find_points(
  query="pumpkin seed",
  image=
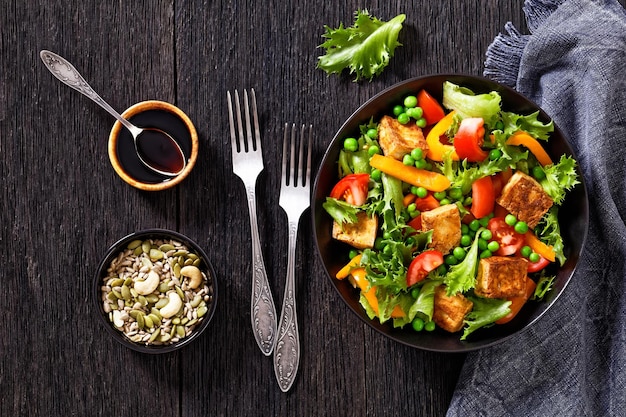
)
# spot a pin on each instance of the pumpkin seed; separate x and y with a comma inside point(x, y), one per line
point(156, 312)
point(138, 251)
point(180, 252)
point(177, 269)
point(166, 247)
point(165, 337)
point(163, 287)
point(180, 331)
point(148, 322)
point(141, 299)
point(128, 282)
point(146, 246)
point(197, 262)
point(192, 255)
point(116, 282)
point(112, 297)
point(152, 298)
point(126, 293)
point(134, 244)
point(156, 320)
point(180, 292)
point(117, 294)
point(156, 254)
point(196, 301)
point(155, 334)
point(162, 303)
point(202, 310)
point(188, 261)
point(135, 313)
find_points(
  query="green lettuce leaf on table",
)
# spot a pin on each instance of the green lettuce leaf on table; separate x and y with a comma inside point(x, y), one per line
point(364, 48)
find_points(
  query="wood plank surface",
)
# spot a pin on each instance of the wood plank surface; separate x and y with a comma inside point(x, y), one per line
point(62, 205)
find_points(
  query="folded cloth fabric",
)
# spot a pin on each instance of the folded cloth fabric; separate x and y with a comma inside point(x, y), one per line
point(572, 362)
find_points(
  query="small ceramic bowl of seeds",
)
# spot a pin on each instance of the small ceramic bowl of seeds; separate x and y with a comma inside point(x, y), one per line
point(155, 291)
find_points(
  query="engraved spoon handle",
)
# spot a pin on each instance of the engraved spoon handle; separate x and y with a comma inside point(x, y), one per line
point(287, 349)
point(68, 75)
point(262, 308)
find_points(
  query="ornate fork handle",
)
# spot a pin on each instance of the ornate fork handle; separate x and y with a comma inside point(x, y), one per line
point(287, 349)
point(262, 309)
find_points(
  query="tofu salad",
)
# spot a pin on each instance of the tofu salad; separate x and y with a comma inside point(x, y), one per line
point(451, 211)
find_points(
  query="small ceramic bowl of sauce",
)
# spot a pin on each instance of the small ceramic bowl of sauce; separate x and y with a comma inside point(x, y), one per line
point(154, 114)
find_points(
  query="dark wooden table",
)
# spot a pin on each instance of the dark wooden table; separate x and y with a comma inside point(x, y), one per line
point(62, 205)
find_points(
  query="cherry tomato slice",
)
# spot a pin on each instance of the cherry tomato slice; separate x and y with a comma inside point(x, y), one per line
point(426, 203)
point(537, 266)
point(509, 240)
point(433, 112)
point(352, 188)
point(483, 197)
point(422, 264)
point(469, 139)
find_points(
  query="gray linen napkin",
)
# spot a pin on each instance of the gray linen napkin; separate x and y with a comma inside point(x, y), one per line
point(573, 361)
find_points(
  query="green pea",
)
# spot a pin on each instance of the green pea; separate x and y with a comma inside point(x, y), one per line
point(397, 110)
point(411, 208)
point(444, 201)
point(373, 150)
point(484, 221)
point(459, 253)
point(421, 192)
point(417, 324)
point(410, 101)
point(421, 164)
point(407, 160)
point(521, 227)
point(468, 201)
point(486, 234)
point(526, 251)
point(464, 229)
point(351, 144)
point(534, 257)
point(466, 240)
point(499, 125)
point(430, 326)
point(372, 133)
point(510, 219)
point(493, 246)
point(485, 254)
point(421, 122)
point(379, 243)
point(442, 269)
point(414, 112)
point(409, 241)
point(495, 154)
point(474, 225)
point(415, 292)
point(451, 260)
point(352, 253)
point(403, 118)
point(538, 173)
point(482, 244)
point(455, 193)
point(417, 154)
point(376, 174)
point(440, 195)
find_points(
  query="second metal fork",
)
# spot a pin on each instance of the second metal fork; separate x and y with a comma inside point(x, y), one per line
point(294, 199)
point(247, 165)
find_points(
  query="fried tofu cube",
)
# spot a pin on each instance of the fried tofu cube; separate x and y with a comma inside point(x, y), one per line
point(397, 140)
point(445, 222)
point(361, 234)
point(524, 197)
point(449, 311)
point(501, 277)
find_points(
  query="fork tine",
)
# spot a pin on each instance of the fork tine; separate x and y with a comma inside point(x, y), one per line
point(231, 120)
point(246, 107)
point(242, 143)
point(307, 178)
point(257, 132)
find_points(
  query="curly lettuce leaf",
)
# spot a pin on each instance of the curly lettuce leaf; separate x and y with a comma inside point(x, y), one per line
point(485, 312)
point(549, 231)
point(340, 211)
point(467, 104)
point(462, 276)
point(530, 124)
point(560, 178)
point(364, 49)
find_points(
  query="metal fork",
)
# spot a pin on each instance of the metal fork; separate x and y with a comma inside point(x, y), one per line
point(294, 199)
point(247, 164)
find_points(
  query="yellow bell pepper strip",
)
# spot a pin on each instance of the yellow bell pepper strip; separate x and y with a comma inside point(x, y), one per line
point(370, 296)
point(432, 181)
point(358, 277)
point(345, 271)
point(436, 149)
point(524, 139)
point(539, 247)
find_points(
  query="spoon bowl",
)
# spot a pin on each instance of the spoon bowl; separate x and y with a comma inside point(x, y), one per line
point(156, 149)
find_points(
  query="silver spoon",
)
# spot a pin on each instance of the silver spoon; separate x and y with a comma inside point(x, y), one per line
point(166, 159)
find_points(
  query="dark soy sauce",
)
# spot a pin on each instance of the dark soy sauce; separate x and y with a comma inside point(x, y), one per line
point(159, 119)
point(158, 150)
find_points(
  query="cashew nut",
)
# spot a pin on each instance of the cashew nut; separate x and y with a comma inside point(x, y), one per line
point(148, 285)
point(194, 275)
point(173, 306)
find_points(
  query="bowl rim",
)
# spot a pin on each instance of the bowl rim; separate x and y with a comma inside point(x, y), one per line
point(112, 251)
point(139, 108)
point(458, 346)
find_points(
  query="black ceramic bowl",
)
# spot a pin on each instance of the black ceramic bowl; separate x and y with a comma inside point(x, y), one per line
point(573, 216)
point(209, 286)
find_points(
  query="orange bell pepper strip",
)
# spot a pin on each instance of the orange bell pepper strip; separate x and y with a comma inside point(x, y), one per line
point(370, 295)
point(436, 149)
point(408, 199)
point(359, 278)
point(346, 270)
point(524, 139)
point(539, 247)
point(430, 180)
point(518, 302)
